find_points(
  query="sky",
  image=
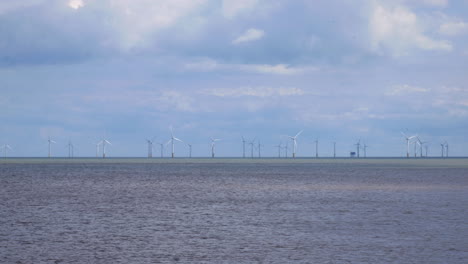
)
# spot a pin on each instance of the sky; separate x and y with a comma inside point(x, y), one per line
point(128, 70)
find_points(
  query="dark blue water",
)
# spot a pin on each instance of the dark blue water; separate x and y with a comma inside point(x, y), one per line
point(232, 213)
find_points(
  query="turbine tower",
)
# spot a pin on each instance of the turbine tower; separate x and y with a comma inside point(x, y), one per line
point(358, 146)
point(172, 141)
point(243, 147)
point(421, 143)
point(443, 146)
point(365, 146)
point(316, 148)
point(286, 149)
point(251, 143)
point(294, 139)
point(70, 149)
point(213, 143)
point(150, 147)
point(104, 142)
point(190, 150)
point(334, 149)
point(161, 144)
point(279, 149)
point(408, 139)
point(446, 149)
point(97, 149)
point(5, 148)
point(50, 142)
point(259, 149)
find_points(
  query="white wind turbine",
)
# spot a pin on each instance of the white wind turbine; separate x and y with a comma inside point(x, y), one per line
point(446, 149)
point(294, 139)
point(70, 149)
point(190, 149)
point(334, 149)
point(364, 147)
point(259, 146)
point(104, 142)
point(5, 148)
point(251, 143)
point(408, 139)
point(316, 148)
point(243, 147)
point(172, 141)
point(161, 144)
point(150, 147)
point(97, 149)
point(50, 141)
point(420, 143)
point(213, 143)
point(279, 149)
point(358, 146)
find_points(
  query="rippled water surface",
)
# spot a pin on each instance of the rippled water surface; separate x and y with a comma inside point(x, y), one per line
point(232, 213)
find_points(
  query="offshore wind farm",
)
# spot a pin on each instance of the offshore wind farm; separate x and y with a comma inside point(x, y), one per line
point(233, 131)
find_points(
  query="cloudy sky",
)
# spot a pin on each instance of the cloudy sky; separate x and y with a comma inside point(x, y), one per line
point(341, 70)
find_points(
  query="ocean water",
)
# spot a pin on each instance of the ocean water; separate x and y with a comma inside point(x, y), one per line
point(232, 213)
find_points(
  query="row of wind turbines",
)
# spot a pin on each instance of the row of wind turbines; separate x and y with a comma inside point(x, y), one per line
point(254, 145)
point(416, 140)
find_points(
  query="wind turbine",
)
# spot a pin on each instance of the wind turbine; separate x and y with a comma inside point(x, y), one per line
point(415, 149)
point(190, 149)
point(97, 149)
point(446, 149)
point(279, 149)
point(294, 139)
point(162, 148)
point(213, 140)
point(251, 143)
point(150, 147)
point(442, 145)
point(334, 149)
point(243, 147)
point(421, 143)
point(50, 142)
point(407, 143)
point(259, 149)
point(426, 147)
point(316, 148)
point(5, 148)
point(172, 141)
point(70, 149)
point(365, 150)
point(104, 142)
point(358, 145)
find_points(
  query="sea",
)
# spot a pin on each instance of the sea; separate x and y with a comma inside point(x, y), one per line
point(231, 211)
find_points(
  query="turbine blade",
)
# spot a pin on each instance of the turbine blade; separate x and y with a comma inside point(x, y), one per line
point(299, 133)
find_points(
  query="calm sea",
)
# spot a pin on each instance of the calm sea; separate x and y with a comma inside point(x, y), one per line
point(232, 213)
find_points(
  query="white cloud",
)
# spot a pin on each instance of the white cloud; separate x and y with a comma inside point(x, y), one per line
point(253, 91)
point(8, 6)
point(438, 3)
point(405, 89)
point(278, 69)
point(138, 20)
point(232, 8)
point(249, 35)
point(453, 28)
point(397, 30)
point(75, 4)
